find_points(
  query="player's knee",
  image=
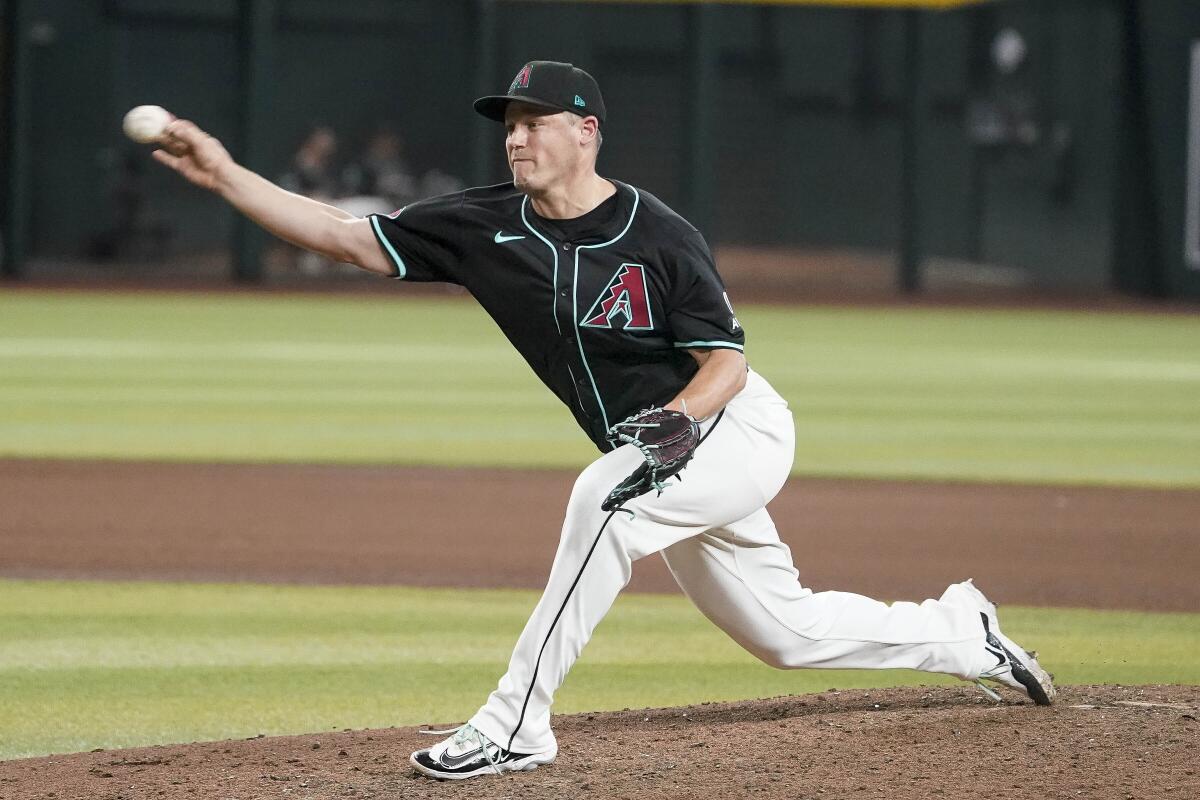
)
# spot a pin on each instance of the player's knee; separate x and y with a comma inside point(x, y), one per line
point(774, 657)
point(603, 474)
point(593, 485)
point(583, 509)
point(773, 654)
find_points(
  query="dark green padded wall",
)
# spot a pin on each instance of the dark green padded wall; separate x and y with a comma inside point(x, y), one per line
point(806, 121)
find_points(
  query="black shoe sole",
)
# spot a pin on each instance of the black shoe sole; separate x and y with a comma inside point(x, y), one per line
point(1027, 679)
point(522, 763)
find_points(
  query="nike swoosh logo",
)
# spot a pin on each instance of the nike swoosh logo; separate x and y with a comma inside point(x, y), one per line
point(450, 762)
point(501, 238)
point(999, 657)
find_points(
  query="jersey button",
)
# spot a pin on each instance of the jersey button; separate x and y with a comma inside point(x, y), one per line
point(563, 292)
point(566, 245)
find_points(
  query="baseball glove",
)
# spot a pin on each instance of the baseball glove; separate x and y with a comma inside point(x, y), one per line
point(667, 439)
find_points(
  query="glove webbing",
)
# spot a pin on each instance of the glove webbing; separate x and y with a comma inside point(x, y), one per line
point(647, 450)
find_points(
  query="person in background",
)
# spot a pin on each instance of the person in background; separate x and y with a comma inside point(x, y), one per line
point(311, 173)
point(382, 171)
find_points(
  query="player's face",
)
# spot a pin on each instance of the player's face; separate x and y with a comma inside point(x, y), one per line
point(543, 148)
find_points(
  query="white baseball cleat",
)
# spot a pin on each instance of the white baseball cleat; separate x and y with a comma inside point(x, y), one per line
point(468, 753)
point(1015, 667)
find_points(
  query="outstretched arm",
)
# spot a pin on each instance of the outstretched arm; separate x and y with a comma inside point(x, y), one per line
point(304, 222)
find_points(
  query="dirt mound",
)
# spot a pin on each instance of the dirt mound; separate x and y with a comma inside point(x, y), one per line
point(1098, 741)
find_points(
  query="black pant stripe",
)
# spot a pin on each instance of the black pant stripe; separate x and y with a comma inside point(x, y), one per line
point(546, 641)
point(712, 428)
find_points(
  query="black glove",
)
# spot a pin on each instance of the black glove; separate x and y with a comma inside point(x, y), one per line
point(667, 440)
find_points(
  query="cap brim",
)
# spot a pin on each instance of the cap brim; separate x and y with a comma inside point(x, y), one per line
point(494, 106)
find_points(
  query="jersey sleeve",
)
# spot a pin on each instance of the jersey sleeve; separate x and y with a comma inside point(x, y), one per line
point(699, 313)
point(422, 239)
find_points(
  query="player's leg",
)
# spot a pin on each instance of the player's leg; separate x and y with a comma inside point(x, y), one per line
point(597, 550)
point(742, 578)
point(593, 564)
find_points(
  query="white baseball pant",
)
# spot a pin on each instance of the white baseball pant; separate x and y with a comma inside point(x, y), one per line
point(720, 544)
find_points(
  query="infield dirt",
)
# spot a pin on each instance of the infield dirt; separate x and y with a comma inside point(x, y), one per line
point(1092, 547)
point(1028, 545)
point(903, 744)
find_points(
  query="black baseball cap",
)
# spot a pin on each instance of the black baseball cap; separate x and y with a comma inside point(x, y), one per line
point(552, 85)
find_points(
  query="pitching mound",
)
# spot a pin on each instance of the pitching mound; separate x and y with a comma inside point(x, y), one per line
point(1098, 741)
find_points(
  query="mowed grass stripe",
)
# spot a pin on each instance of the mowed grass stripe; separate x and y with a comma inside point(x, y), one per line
point(301, 351)
point(96, 664)
point(892, 393)
point(929, 364)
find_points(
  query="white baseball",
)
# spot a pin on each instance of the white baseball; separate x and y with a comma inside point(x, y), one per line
point(145, 124)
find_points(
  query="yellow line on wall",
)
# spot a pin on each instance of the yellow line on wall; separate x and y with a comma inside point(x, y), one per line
point(936, 5)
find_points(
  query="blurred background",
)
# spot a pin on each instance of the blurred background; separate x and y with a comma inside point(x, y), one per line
point(1014, 147)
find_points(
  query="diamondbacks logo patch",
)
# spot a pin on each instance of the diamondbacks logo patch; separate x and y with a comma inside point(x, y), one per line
point(522, 79)
point(624, 303)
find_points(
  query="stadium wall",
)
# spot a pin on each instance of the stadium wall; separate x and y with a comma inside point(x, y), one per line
point(806, 121)
point(1162, 202)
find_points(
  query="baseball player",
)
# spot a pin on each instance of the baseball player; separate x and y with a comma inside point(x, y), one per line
point(614, 301)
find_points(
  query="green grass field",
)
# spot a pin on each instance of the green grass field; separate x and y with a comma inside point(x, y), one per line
point(1062, 397)
point(904, 393)
point(86, 665)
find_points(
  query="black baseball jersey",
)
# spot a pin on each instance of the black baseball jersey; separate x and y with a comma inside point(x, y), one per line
point(603, 307)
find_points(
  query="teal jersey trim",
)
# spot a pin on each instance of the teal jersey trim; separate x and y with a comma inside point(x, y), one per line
point(553, 252)
point(390, 250)
point(575, 301)
point(554, 294)
point(729, 345)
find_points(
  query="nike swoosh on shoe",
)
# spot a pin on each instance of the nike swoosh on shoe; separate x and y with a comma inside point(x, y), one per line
point(451, 762)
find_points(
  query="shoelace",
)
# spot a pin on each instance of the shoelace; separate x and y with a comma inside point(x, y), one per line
point(990, 674)
point(989, 691)
point(463, 734)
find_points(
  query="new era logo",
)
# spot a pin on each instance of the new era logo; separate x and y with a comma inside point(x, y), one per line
point(579, 101)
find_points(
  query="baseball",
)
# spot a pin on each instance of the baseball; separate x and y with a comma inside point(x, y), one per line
point(145, 124)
